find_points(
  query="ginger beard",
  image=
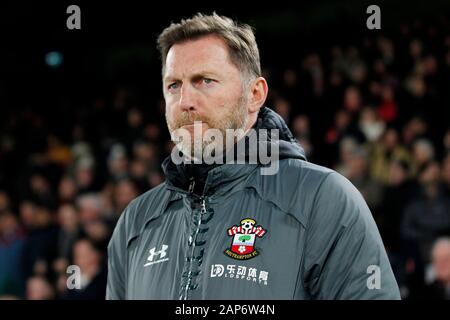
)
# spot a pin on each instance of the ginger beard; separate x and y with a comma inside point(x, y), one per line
point(234, 118)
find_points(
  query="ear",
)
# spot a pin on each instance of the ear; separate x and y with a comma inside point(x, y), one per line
point(258, 94)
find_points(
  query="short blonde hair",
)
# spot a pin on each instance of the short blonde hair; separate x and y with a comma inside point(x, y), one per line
point(239, 38)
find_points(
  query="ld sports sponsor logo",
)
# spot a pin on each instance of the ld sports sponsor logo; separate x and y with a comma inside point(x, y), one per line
point(236, 272)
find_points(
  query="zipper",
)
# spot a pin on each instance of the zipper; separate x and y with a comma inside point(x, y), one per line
point(199, 222)
point(191, 185)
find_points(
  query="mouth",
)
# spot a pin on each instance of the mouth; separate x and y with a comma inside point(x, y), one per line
point(191, 126)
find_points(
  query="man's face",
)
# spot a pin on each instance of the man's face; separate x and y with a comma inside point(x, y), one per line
point(441, 262)
point(201, 84)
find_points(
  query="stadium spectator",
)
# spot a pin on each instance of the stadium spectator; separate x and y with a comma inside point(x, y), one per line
point(12, 241)
point(38, 288)
point(440, 257)
point(428, 216)
point(89, 258)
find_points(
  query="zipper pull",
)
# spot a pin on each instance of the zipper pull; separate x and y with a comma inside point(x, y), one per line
point(203, 206)
point(191, 185)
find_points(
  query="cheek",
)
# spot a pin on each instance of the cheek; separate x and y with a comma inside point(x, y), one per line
point(225, 96)
point(170, 110)
point(226, 102)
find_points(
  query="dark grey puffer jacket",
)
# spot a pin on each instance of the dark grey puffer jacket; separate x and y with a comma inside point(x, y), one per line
point(303, 233)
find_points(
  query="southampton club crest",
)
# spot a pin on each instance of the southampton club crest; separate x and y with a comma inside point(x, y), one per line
point(244, 236)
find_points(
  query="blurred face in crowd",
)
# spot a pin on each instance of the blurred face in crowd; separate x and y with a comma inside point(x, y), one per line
point(342, 120)
point(347, 148)
point(387, 93)
point(370, 124)
point(68, 217)
point(90, 208)
point(86, 257)
point(43, 216)
point(8, 224)
point(138, 168)
point(423, 151)
point(290, 78)
point(446, 170)
point(145, 152)
point(39, 289)
point(415, 48)
point(202, 84)
point(96, 230)
point(397, 174)
point(352, 99)
point(4, 201)
point(441, 261)
point(283, 108)
point(28, 214)
point(368, 115)
point(301, 125)
point(39, 184)
point(134, 118)
point(446, 140)
point(430, 174)
point(357, 166)
point(125, 191)
point(66, 189)
point(152, 131)
point(390, 140)
point(84, 176)
point(155, 178)
point(118, 166)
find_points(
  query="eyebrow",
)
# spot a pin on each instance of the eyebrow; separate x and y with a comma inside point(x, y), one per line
point(196, 75)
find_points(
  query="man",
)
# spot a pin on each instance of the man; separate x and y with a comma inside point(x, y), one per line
point(87, 254)
point(232, 231)
point(440, 258)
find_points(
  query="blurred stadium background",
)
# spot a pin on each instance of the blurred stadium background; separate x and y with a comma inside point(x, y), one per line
point(82, 129)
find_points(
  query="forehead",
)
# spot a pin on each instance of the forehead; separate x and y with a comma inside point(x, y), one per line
point(209, 53)
point(442, 249)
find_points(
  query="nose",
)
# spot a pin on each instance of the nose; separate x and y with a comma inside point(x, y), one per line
point(187, 98)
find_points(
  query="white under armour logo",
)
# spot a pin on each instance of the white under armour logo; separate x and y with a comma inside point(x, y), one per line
point(153, 253)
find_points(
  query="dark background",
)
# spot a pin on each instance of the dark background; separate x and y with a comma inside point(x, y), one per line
point(111, 69)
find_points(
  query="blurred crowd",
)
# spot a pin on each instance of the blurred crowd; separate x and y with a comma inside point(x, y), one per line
point(377, 111)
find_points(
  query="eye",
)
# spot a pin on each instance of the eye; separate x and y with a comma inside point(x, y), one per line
point(207, 82)
point(173, 86)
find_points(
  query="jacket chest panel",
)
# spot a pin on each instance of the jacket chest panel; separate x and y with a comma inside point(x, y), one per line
point(236, 248)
